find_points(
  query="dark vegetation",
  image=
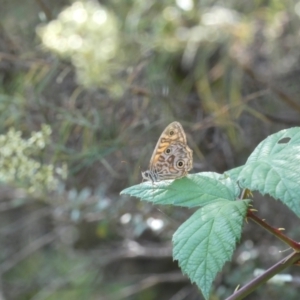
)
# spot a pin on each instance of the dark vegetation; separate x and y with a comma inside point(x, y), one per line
point(229, 74)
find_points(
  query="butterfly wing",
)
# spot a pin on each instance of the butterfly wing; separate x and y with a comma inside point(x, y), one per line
point(173, 163)
point(173, 133)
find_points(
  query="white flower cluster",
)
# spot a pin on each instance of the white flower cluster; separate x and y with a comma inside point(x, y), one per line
point(19, 165)
point(86, 33)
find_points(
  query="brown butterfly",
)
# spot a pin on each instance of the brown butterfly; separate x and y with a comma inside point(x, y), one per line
point(172, 158)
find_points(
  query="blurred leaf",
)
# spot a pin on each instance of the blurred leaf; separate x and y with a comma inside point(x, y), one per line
point(84, 194)
point(75, 215)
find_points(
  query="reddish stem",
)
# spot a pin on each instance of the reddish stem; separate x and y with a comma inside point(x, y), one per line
point(275, 231)
point(259, 280)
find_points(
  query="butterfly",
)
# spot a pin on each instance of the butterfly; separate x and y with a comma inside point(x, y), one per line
point(172, 158)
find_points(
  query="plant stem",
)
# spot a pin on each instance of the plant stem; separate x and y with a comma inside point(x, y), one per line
point(278, 233)
point(258, 281)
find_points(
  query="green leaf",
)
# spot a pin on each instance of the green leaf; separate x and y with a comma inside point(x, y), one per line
point(204, 242)
point(273, 168)
point(234, 173)
point(190, 191)
point(227, 181)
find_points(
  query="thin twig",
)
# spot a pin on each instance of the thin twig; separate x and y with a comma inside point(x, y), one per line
point(210, 120)
point(23, 222)
point(147, 283)
point(275, 231)
point(282, 95)
point(258, 281)
point(27, 251)
point(58, 283)
point(133, 250)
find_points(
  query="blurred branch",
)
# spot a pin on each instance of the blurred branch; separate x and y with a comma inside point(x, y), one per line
point(133, 249)
point(27, 63)
point(282, 95)
point(285, 121)
point(8, 205)
point(109, 168)
point(183, 293)
point(1, 289)
point(21, 223)
point(146, 283)
point(140, 91)
point(59, 283)
point(27, 251)
point(210, 121)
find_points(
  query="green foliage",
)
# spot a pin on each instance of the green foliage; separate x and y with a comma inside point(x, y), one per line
point(18, 166)
point(204, 242)
point(273, 168)
point(203, 189)
point(208, 238)
point(148, 62)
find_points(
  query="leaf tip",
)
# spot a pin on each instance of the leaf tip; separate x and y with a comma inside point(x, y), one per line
point(124, 192)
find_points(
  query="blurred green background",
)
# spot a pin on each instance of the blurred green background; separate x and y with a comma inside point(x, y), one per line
point(86, 88)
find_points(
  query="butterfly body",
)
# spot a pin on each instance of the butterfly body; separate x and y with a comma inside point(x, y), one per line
point(172, 158)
